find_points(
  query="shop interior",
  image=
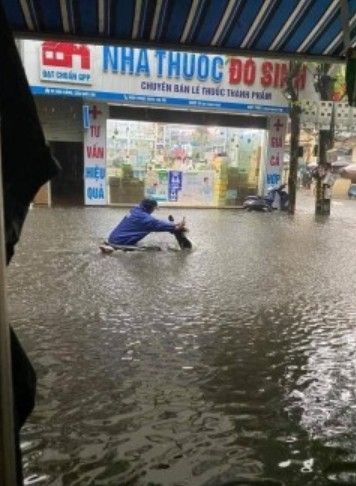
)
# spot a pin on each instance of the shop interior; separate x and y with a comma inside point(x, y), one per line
point(182, 164)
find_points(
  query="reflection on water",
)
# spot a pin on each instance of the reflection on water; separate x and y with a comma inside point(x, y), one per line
point(233, 364)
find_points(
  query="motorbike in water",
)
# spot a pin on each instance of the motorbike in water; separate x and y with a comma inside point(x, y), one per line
point(184, 243)
point(182, 240)
point(276, 198)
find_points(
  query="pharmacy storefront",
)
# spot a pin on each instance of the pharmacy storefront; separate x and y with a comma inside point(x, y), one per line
point(183, 128)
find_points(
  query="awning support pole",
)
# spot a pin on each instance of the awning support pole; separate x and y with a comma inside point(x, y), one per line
point(7, 440)
point(345, 23)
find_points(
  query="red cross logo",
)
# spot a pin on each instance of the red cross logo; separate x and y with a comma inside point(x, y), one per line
point(278, 125)
point(95, 112)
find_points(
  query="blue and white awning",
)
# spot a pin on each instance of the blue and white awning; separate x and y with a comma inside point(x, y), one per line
point(268, 27)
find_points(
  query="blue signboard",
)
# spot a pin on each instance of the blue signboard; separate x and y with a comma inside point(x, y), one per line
point(161, 100)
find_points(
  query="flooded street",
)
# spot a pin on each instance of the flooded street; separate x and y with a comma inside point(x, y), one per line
point(234, 364)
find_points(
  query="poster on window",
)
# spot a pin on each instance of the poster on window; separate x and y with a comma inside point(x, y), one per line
point(197, 188)
point(156, 184)
point(175, 181)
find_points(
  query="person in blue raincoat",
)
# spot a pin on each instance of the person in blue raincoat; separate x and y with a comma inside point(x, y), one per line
point(139, 223)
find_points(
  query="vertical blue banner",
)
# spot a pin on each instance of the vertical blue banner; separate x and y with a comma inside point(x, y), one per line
point(86, 117)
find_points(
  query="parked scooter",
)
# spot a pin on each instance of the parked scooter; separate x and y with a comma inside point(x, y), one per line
point(276, 198)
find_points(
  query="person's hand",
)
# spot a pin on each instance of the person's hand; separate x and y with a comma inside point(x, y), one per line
point(181, 226)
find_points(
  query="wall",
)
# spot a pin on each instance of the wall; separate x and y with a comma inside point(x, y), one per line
point(340, 188)
point(61, 121)
point(61, 118)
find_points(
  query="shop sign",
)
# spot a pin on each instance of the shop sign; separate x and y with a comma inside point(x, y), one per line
point(275, 150)
point(179, 79)
point(95, 156)
point(63, 62)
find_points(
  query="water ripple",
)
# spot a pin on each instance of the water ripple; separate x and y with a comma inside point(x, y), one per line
point(231, 365)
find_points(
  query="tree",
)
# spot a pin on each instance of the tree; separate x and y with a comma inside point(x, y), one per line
point(324, 86)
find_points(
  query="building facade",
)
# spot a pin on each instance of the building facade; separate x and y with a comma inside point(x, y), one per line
point(184, 128)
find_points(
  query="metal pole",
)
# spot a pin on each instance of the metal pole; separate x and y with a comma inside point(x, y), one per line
point(7, 440)
point(345, 22)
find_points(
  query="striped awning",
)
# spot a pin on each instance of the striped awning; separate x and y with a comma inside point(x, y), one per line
point(309, 28)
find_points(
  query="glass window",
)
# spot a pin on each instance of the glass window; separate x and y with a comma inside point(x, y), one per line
point(182, 164)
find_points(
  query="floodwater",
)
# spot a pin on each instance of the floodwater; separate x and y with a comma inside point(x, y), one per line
point(234, 364)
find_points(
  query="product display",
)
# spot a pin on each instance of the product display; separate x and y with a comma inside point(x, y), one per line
point(182, 164)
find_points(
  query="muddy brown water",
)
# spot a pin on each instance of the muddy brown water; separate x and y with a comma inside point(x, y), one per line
point(234, 364)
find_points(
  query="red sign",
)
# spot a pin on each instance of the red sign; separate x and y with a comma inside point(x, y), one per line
point(95, 112)
point(60, 54)
point(269, 74)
